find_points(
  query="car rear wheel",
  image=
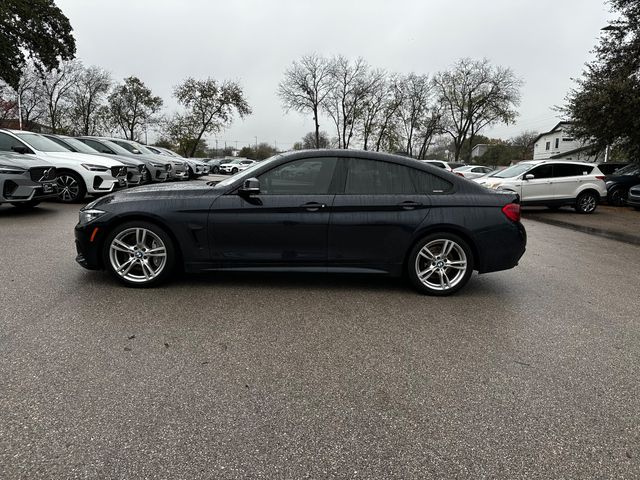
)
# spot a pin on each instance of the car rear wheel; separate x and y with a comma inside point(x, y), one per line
point(71, 187)
point(586, 202)
point(440, 264)
point(139, 254)
point(617, 197)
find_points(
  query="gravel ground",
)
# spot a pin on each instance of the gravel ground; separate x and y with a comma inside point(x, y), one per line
point(530, 373)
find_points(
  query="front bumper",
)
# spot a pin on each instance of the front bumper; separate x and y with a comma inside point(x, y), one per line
point(134, 175)
point(88, 245)
point(633, 199)
point(25, 190)
point(106, 184)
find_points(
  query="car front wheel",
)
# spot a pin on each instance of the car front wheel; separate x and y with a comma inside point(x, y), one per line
point(586, 202)
point(139, 254)
point(71, 187)
point(440, 264)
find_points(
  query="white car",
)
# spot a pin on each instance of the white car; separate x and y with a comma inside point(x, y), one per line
point(473, 171)
point(235, 166)
point(78, 174)
point(448, 166)
point(551, 183)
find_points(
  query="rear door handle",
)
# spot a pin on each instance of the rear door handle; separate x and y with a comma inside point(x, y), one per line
point(409, 205)
point(313, 206)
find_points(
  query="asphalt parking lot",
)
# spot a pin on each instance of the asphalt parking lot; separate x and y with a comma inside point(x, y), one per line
point(529, 373)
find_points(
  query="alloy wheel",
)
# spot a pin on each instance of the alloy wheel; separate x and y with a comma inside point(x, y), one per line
point(138, 255)
point(441, 264)
point(68, 188)
point(587, 203)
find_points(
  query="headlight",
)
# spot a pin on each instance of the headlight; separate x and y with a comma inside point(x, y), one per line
point(11, 169)
point(156, 164)
point(95, 168)
point(89, 215)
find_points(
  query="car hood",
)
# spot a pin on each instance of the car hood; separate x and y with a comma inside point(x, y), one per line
point(622, 179)
point(80, 158)
point(154, 193)
point(121, 158)
point(24, 161)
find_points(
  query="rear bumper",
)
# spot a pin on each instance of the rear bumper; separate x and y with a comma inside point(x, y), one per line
point(501, 248)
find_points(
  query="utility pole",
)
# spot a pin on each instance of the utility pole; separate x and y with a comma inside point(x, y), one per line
point(256, 143)
point(20, 110)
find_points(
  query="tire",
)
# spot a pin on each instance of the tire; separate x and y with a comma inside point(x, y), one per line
point(190, 174)
point(617, 197)
point(71, 187)
point(428, 255)
point(234, 170)
point(586, 203)
point(26, 205)
point(125, 254)
point(215, 169)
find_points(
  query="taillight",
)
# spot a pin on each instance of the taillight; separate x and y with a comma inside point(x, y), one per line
point(512, 211)
point(600, 177)
point(458, 173)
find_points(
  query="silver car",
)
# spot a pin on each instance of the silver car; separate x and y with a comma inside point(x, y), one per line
point(26, 180)
point(157, 169)
point(179, 170)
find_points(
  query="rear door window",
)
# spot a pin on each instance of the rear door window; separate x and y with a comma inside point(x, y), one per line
point(375, 177)
point(429, 184)
point(570, 170)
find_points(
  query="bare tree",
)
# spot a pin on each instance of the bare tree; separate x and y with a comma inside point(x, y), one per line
point(56, 86)
point(373, 105)
point(87, 96)
point(524, 142)
point(30, 95)
point(352, 83)
point(305, 87)
point(414, 112)
point(474, 94)
point(387, 125)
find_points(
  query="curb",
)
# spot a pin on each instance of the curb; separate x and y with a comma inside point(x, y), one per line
point(599, 232)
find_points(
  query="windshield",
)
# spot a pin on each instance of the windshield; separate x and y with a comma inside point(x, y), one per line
point(79, 146)
point(513, 171)
point(116, 148)
point(247, 172)
point(40, 143)
point(631, 169)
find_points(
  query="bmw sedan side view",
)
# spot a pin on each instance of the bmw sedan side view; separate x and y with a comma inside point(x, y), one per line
point(309, 211)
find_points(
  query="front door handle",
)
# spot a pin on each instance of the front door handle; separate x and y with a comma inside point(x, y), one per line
point(313, 206)
point(409, 205)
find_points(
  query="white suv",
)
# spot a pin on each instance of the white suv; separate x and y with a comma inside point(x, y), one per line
point(551, 183)
point(79, 174)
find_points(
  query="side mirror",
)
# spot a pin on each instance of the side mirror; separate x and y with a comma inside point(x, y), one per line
point(251, 186)
point(529, 176)
point(136, 151)
point(20, 149)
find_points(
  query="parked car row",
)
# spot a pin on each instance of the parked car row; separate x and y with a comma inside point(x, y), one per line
point(82, 166)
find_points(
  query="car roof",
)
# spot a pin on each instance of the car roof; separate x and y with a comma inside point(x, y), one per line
point(550, 160)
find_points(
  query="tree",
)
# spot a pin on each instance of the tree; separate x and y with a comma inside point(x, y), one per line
point(87, 96)
point(605, 103)
point(352, 82)
point(210, 105)
point(182, 131)
point(309, 141)
point(34, 29)
point(263, 151)
point(305, 87)
point(474, 95)
point(524, 142)
point(56, 86)
point(29, 93)
point(132, 106)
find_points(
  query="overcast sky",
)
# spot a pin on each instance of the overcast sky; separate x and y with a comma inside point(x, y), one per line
point(546, 42)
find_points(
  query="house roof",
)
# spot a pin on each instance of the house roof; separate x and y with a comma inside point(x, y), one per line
point(558, 125)
point(571, 152)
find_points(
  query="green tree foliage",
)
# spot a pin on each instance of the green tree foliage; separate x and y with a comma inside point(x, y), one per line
point(35, 29)
point(308, 142)
point(263, 151)
point(210, 106)
point(132, 107)
point(604, 105)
